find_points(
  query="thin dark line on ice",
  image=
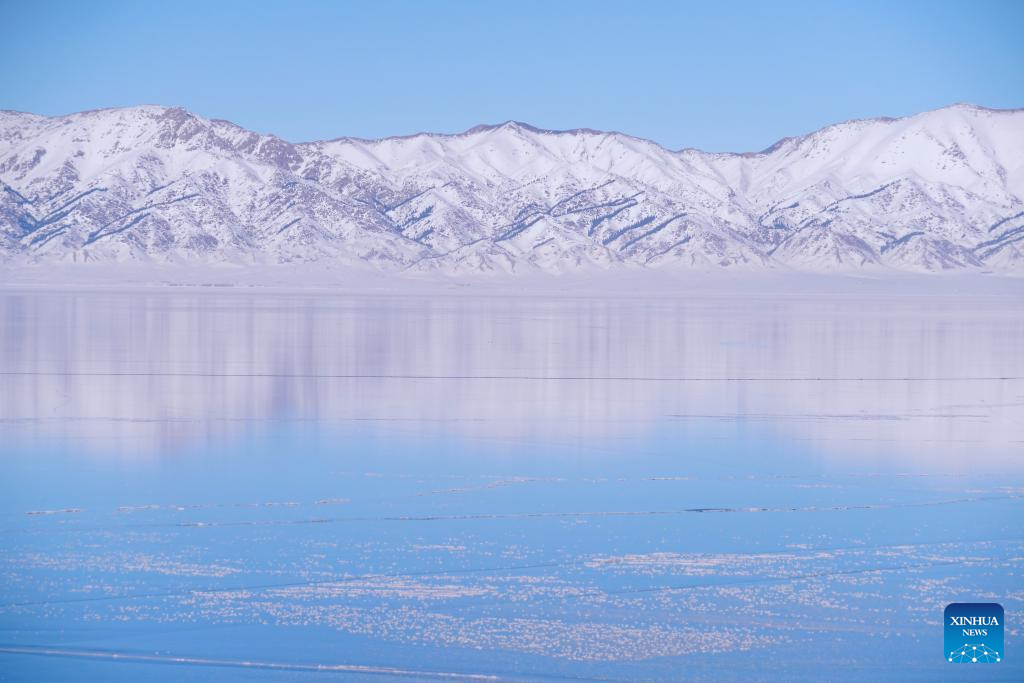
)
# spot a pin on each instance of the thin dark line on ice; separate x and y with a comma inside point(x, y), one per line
point(568, 378)
point(597, 513)
point(486, 516)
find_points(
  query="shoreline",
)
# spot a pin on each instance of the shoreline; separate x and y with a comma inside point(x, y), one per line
point(622, 283)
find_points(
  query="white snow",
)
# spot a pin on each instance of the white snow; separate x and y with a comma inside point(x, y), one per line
point(943, 190)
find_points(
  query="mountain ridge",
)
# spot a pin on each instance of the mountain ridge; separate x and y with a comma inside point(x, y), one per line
point(939, 190)
point(482, 127)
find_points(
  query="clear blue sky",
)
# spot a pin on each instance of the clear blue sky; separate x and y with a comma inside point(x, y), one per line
point(722, 76)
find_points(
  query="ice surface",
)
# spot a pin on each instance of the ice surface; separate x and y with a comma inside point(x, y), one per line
point(236, 484)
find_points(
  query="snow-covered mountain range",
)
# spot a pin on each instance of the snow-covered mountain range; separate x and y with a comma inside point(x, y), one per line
point(936, 191)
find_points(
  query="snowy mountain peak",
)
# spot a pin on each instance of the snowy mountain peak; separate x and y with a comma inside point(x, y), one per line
point(935, 191)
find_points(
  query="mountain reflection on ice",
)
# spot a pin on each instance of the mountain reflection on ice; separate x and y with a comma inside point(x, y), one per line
point(145, 373)
point(281, 486)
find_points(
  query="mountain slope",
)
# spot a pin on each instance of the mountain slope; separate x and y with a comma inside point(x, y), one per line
point(940, 190)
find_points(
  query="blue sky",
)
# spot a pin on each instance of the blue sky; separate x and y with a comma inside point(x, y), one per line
point(722, 76)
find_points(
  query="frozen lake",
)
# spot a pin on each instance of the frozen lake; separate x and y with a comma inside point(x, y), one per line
point(200, 485)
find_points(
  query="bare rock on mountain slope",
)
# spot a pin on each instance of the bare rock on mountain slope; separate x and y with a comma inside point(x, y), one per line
point(943, 190)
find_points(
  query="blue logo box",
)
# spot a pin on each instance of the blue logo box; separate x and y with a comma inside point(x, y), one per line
point(973, 632)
